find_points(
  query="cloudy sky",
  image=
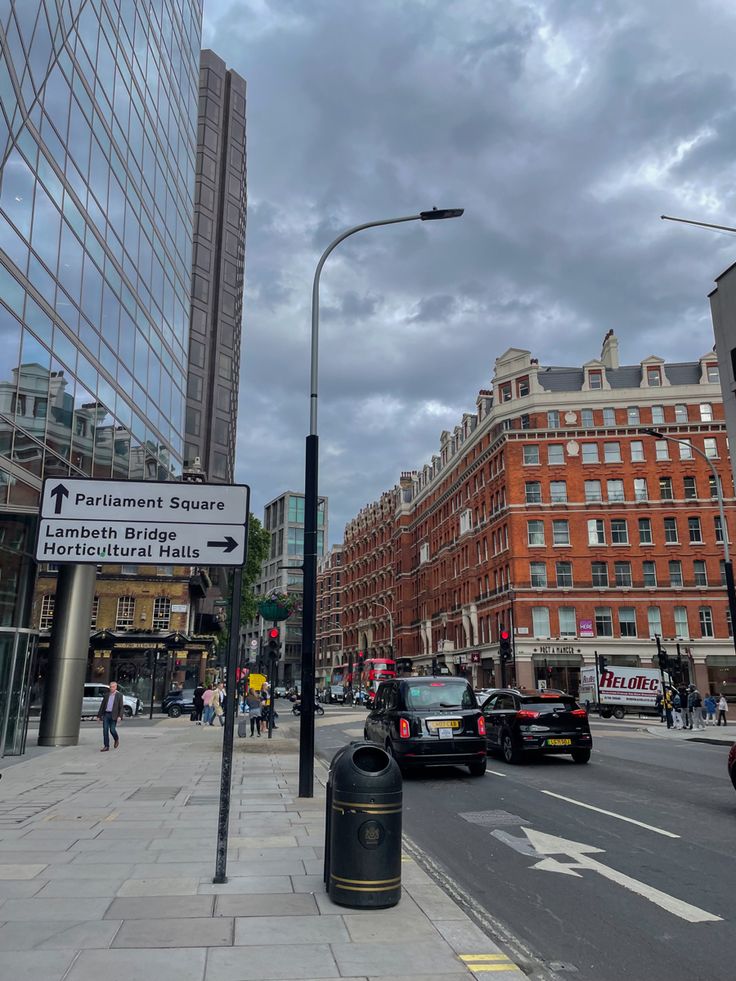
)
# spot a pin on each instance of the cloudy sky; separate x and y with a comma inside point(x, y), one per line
point(563, 127)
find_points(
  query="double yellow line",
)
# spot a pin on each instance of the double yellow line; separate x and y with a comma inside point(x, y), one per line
point(483, 963)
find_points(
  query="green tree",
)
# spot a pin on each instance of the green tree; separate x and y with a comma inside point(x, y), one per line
point(259, 543)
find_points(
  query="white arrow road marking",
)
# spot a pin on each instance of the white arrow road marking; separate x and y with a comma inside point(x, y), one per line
point(620, 817)
point(545, 844)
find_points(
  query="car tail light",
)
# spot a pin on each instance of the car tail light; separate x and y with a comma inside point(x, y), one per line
point(404, 731)
point(481, 726)
point(581, 713)
point(526, 716)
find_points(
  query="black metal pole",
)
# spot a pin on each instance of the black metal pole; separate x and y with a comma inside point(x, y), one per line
point(309, 619)
point(273, 670)
point(154, 665)
point(731, 591)
point(223, 819)
point(597, 684)
point(660, 661)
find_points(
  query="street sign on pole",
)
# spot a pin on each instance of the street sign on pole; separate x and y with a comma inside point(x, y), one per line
point(142, 522)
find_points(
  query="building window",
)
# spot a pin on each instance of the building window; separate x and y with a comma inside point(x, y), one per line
point(665, 489)
point(599, 574)
point(670, 531)
point(125, 616)
point(637, 451)
point(129, 570)
point(603, 621)
point(568, 624)
point(466, 521)
point(533, 492)
point(680, 413)
point(555, 454)
point(722, 572)
point(627, 621)
point(641, 491)
point(47, 612)
point(706, 621)
point(296, 510)
point(711, 448)
point(596, 532)
point(645, 531)
point(706, 412)
point(654, 377)
point(612, 452)
point(615, 490)
point(622, 572)
point(558, 492)
point(522, 386)
point(560, 532)
point(661, 449)
point(295, 541)
point(423, 553)
point(712, 486)
point(650, 573)
point(590, 453)
point(593, 491)
point(564, 574)
point(681, 625)
point(712, 374)
point(691, 489)
point(540, 621)
point(619, 531)
point(695, 532)
point(609, 417)
point(531, 454)
point(553, 419)
point(686, 450)
point(535, 532)
point(595, 379)
point(538, 575)
point(718, 529)
point(161, 613)
point(675, 567)
point(657, 415)
point(654, 621)
point(632, 415)
point(700, 572)
point(506, 392)
point(586, 418)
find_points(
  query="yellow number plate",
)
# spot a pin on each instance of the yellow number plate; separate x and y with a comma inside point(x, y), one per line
point(559, 742)
point(445, 724)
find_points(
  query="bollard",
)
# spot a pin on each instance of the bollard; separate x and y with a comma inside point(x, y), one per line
point(363, 828)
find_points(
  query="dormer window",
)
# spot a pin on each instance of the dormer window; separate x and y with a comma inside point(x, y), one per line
point(712, 374)
point(595, 379)
point(522, 386)
point(654, 377)
point(506, 392)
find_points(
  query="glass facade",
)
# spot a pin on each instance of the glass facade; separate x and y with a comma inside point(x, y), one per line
point(98, 142)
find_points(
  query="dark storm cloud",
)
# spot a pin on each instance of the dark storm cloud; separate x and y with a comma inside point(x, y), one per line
point(565, 128)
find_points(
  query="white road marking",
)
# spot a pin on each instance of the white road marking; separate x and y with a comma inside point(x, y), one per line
point(496, 773)
point(620, 817)
point(545, 844)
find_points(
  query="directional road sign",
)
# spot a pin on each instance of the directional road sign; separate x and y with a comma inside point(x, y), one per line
point(142, 522)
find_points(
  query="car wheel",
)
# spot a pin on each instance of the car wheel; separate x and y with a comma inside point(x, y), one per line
point(174, 711)
point(606, 713)
point(510, 752)
point(478, 768)
point(580, 755)
point(127, 711)
point(619, 713)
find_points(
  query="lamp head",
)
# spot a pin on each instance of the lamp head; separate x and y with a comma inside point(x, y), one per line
point(437, 213)
point(652, 432)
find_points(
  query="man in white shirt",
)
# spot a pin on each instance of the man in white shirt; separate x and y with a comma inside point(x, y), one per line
point(109, 714)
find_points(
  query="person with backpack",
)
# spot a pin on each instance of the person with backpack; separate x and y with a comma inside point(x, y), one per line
point(677, 710)
point(709, 705)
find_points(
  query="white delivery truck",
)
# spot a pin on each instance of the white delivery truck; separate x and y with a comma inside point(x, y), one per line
point(618, 690)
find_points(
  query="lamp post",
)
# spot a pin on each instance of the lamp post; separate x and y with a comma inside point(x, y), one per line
point(309, 616)
point(728, 568)
point(390, 624)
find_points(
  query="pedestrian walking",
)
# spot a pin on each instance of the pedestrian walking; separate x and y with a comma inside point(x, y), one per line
point(218, 702)
point(208, 712)
point(109, 714)
point(709, 704)
point(686, 717)
point(198, 701)
point(253, 702)
point(695, 708)
point(667, 702)
point(658, 704)
point(722, 710)
point(677, 710)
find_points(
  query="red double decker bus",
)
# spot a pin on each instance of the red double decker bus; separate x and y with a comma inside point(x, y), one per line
point(377, 669)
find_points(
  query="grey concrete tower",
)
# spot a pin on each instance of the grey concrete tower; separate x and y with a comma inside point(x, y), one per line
point(218, 262)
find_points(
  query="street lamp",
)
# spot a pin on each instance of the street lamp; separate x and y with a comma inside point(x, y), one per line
point(390, 624)
point(309, 615)
point(728, 568)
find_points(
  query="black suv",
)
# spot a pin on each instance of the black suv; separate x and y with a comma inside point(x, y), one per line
point(520, 722)
point(177, 702)
point(423, 721)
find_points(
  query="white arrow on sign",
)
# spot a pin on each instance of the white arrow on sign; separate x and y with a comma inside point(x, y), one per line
point(545, 844)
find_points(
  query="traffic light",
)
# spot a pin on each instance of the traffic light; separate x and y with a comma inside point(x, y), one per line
point(602, 663)
point(504, 645)
point(273, 648)
point(662, 659)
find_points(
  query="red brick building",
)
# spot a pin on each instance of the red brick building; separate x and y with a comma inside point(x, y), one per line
point(329, 650)
point(550, 512)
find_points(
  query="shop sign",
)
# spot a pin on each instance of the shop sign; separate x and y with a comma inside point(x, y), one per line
point(556, 649)
point(585, 628)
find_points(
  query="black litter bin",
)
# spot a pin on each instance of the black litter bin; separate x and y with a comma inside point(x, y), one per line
point(363, 828)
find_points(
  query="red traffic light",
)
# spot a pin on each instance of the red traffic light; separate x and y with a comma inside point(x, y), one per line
point(273, 633)
point(505, 635)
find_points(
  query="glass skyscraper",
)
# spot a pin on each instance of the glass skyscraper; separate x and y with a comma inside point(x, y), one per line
point(98, 142)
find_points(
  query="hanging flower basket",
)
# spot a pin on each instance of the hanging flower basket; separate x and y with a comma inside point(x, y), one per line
point(279, 606)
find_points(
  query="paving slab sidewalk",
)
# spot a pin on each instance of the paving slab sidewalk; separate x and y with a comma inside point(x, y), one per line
point(106, 866)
